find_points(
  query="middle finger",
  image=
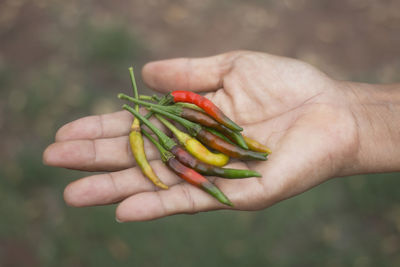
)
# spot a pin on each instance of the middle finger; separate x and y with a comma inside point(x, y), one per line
point(109, 154)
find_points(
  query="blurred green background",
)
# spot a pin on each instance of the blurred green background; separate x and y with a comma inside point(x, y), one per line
point(61, 60)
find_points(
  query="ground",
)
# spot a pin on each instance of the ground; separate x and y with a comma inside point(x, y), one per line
point(63, 60)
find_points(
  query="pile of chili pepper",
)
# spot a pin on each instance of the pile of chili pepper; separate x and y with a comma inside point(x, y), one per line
point(190, 157)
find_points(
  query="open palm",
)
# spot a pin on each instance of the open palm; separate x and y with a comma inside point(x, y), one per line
point(299, 112)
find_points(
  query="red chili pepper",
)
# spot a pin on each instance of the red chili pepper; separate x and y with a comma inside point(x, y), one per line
point(196, 179)
point(188, 174)
point(207, 106)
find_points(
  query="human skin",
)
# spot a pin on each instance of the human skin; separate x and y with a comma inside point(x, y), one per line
point(317, 127)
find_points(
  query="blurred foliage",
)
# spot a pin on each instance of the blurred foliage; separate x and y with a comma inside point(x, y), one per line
point(108, 46)
point(63, 60)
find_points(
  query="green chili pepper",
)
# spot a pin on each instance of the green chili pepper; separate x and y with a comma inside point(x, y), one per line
point(220, 135)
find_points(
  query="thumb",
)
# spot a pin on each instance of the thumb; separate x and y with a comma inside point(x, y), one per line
point(194, 74)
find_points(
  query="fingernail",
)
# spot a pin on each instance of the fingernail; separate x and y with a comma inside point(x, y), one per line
point(118, 221)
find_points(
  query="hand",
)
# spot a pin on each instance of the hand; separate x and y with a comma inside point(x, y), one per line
point(301, 114)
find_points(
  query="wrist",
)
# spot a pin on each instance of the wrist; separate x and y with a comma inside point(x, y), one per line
point(376, 112)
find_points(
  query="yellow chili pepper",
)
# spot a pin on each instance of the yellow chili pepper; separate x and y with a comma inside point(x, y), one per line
point(197, 149)
point(137, 147)
point(136, 142)
point(256, 146)
point(194, 147)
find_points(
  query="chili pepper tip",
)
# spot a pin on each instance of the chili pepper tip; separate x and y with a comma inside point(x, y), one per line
point(161, 185)
point(218, 194)
point(256, 174)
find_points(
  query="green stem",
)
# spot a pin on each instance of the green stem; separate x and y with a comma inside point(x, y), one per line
point(192, 127)
point(161, 101)
point(189, 105)
point(156, 98)
point(165, 155)
point(238, 137)
point(181, 136)
point(165, 100)
point(135, 90)
point(146, 97)
point(167, 142)
point(148, 115)
point(171, 109)
point(220, 135)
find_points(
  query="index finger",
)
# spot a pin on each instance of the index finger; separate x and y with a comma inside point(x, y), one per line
point(194, 74)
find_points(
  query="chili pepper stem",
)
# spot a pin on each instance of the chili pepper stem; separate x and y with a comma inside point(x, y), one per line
point(171, 109)
point(189, 105)
point(179, 134)
point(135, 91)
point(167, 142)
point(165, 155)
point(149, 98)
point(135, 124)
point(192, 127)
point(220, 135)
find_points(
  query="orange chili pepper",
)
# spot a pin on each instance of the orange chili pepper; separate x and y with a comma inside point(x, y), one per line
point(256, 146)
